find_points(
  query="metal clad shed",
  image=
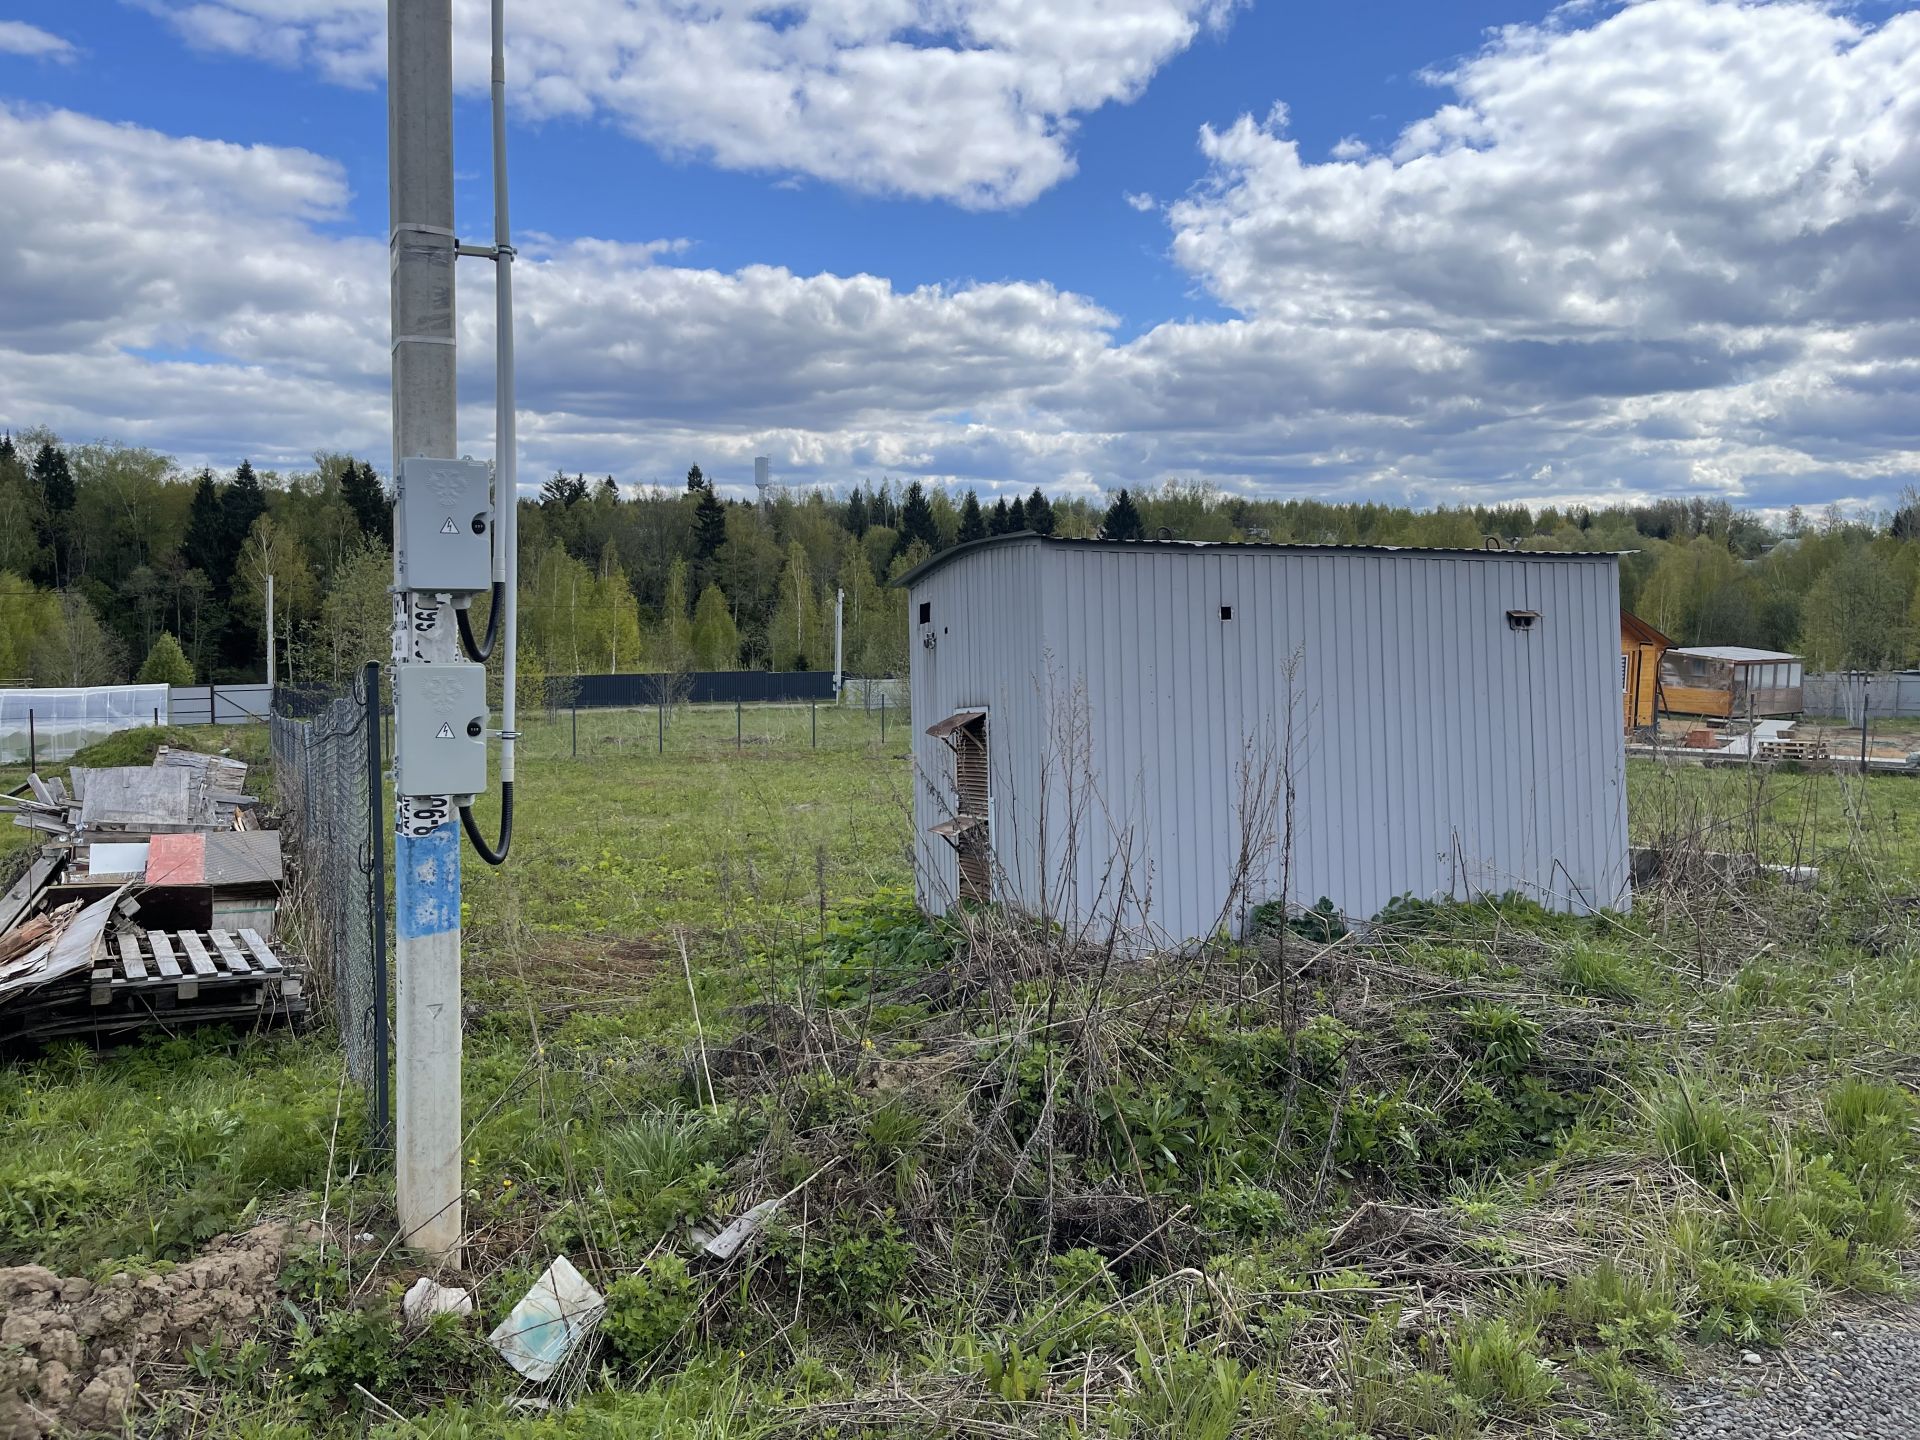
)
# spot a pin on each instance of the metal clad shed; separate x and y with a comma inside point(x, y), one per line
point(1449, 721)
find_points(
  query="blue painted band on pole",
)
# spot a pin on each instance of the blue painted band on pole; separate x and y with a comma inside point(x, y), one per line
point(427, 883)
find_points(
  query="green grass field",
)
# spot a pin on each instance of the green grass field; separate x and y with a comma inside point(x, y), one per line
point(1490, 1169)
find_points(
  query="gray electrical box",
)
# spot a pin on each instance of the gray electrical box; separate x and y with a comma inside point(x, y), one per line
point(446, 525)
point(441, 729)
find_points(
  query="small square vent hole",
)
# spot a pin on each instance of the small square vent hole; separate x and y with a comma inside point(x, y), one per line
point(1523, 619)
point(1226, 612)
point(926, 612)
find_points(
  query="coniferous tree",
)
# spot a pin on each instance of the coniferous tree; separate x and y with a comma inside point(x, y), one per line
point(244, 502)
point(1016, 517)
point(372, 511)
point(166, 663)
point(709, 524)
point(53, 481)
point(916, 519)
point(8, 454)
point(1123, 520)
point(697, 483)
point(1039, 513)
point(857, 513)
point(563, 491)
point(607, 491)
point(54, 477)
point(206, 543)
point(973, 525)
point(999, 519)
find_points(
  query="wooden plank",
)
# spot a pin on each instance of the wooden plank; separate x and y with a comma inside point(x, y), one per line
point(163, 955)
point(25, 889)
point(261, 950)
point(197, 954)
point(230, 952)
point(131, 963)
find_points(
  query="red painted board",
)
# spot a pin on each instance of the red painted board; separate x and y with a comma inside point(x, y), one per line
point(177, 860)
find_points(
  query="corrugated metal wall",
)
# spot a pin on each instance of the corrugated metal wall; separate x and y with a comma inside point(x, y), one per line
point(1435, 750)
point(985, 629)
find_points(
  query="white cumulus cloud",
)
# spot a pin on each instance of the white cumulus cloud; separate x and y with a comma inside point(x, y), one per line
point(19, 38)
point(1669, 250)
point(972, 101)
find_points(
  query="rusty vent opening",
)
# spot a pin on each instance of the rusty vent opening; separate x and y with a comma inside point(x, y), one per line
point(965, 733)
point(972, 791)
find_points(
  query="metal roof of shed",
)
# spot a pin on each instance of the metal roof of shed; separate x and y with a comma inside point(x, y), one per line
point(1194, 547)
point(1736, 653)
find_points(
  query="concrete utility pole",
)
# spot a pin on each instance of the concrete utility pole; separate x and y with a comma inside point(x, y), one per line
point(839, 633)
point(426, 837)
point(270, 645)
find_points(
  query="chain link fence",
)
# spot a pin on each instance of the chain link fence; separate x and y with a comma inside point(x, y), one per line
point(327, 773)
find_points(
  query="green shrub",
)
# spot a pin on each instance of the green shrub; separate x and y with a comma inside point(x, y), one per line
point(1630, 1313)
point(1494, 1364)
point(166, 663)
point(648, 1311)
point(38, 1207)
point(345, 1350)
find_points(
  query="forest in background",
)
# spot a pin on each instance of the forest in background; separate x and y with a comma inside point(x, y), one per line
point(116, 564)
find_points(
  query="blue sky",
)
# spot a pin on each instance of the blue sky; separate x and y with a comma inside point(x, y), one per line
point(1479, 251)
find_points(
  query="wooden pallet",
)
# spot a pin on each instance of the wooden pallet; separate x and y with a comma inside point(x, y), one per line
point(165, 979)
point(184, 960)
point(1804, 750)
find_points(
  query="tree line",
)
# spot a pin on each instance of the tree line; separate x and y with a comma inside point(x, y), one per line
point(116, 564)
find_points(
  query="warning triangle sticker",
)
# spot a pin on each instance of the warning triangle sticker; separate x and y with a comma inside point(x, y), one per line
point(446, 731)
point(449, 528)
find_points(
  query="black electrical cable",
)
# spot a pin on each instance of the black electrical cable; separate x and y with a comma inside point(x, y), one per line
point(482, 652)
point(480, 846)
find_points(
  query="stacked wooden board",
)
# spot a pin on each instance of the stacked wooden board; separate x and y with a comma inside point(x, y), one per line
point(150, 904)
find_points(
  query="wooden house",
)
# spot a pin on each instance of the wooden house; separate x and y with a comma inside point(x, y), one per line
point(1641, 647)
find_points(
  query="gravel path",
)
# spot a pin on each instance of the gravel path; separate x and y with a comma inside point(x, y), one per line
point(1855, 1381)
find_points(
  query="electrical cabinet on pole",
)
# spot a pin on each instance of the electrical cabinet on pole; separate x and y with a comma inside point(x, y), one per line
point(454, 538)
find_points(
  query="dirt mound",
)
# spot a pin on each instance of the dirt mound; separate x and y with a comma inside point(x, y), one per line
point(70, 1349)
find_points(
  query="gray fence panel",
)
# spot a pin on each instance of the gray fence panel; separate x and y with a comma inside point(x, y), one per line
point(1891, 695)
point(218, 704)
point(697, 687)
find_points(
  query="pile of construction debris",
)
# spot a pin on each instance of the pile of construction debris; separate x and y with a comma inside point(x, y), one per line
point(151, 902)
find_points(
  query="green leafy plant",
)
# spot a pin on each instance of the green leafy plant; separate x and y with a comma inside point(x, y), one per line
point(648, 1312)
point(1494, 1364)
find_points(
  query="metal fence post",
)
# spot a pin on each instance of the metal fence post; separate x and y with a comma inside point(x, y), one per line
point(660, 718)
point(576, 724)
point(815, 707)
point(376, 832)
point(736, 727)
point(33, 743)
point(1866, 710)
point(883, 717)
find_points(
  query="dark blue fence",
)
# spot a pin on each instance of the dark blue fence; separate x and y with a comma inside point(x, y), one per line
point(700, 687)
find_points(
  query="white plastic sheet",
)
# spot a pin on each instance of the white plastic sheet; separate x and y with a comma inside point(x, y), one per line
point(55, 723)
